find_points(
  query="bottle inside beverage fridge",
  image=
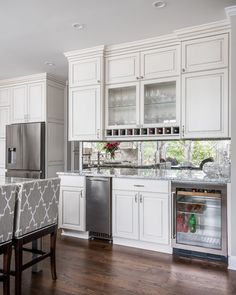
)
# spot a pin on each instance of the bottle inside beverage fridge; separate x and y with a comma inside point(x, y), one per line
point(192, 223)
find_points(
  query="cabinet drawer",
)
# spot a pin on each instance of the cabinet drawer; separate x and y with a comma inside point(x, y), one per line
point(70, 180)
point(141, 185)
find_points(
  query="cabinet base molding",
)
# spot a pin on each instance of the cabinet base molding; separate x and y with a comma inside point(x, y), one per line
point(232, 263)
point(75, 234)
point(143, 245)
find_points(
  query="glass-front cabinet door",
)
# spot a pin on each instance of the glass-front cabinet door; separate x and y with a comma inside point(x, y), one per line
point(122, 109)
point(160, 102)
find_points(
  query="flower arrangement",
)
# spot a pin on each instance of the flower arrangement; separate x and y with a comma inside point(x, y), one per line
point(110, 148)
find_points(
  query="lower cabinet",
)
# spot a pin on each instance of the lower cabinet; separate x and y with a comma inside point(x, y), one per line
point(72, 211)
point(142, 217)
point(72, 203)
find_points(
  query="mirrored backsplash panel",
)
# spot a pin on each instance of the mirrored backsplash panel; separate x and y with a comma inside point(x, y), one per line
point(181, 154)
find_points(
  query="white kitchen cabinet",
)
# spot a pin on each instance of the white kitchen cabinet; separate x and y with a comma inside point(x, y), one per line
point(72, 208)
point(122, 105)
point(36, 102)
point(85, 109)
point(2, 155)
point(122, 68)
point(205, 53)
point(141, 213)
point(125, 214)
point(160, 102)
point(205, 104)
point(28, 103)
point(86, 71)
point(19, 104)
point(5, 96)
point(4, 120)
point(160, 63)
point(154, 217)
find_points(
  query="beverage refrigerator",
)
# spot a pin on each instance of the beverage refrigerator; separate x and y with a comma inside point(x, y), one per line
point(199, 220)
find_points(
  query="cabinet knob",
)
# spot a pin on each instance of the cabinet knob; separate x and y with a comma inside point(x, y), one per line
point(141, 77)
point(136, 198)
point(98, 81)
point(137, 78)
point(183, 70)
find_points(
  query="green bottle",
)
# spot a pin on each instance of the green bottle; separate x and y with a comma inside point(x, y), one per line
point(192, 222)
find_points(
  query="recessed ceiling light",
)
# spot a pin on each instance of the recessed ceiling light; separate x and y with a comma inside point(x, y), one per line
point(159, 4)
point(78, 26)
point(49, 63)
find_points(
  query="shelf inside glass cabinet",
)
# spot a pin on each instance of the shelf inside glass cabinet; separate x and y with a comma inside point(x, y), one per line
point(160, 103)
point(122, 106)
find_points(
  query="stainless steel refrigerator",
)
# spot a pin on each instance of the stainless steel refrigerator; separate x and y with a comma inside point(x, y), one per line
point(25, 150)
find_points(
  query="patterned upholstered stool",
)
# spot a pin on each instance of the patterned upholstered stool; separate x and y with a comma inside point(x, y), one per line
point(7, 207)
point(36, 216)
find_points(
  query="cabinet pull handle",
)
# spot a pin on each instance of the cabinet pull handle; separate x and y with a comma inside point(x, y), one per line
point(183, 130)
point(138, 185)
point(137, 78)
point(136, 198)
point(173, 215)
point(81, 195)
point(141, 199)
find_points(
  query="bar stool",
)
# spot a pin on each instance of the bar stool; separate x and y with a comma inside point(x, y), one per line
point(36, 216)
point(7, 207)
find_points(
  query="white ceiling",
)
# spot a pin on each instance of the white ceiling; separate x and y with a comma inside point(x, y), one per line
point(35, 31)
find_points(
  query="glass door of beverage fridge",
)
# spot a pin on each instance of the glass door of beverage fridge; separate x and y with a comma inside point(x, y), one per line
point(198, 218)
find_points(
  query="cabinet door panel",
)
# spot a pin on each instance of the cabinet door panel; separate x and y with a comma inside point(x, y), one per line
point(160, 63)
point(72, 208)
point(19, 104)
point(4, 120)
point(123, 68)
point(3, 152)
point(85, 113)
point(4, 96)
point(205, 53)
point(154, 218)
point(125, 215)
point(36, 99)
point(85, 72)
point(205, 102)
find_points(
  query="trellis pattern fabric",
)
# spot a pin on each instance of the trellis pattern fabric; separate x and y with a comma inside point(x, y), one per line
point(37, 205)
point(7, 207)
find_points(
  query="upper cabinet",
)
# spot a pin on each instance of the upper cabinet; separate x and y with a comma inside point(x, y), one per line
point(173, 86)
point(205, 104)
point(28, 103)
point(86, 94)
point(85, 72)
point(159, 63)
point(206, 53)
point(122, 68)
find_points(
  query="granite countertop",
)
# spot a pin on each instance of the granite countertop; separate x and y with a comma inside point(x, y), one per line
point(13, 180)
point(173, 175)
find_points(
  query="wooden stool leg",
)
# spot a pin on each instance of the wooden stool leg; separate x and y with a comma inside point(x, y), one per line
point(53, 239)
point(6, 270)
point(18, 266)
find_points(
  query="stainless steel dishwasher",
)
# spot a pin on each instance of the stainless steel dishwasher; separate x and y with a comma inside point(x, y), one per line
point(98, 207)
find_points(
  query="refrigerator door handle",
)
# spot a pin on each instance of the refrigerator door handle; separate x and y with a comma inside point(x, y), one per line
point(173, 209)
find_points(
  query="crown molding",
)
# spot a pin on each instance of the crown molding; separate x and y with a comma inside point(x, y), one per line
point(218, 27)
point(32, 78)
point(86, 52)
point(230, 11)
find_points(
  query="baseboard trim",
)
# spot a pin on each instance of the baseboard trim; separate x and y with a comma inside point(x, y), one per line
point(143, 245)
point(232, 262)
point(75, 234)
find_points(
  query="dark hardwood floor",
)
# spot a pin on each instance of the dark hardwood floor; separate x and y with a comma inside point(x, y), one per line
point(96, 267)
